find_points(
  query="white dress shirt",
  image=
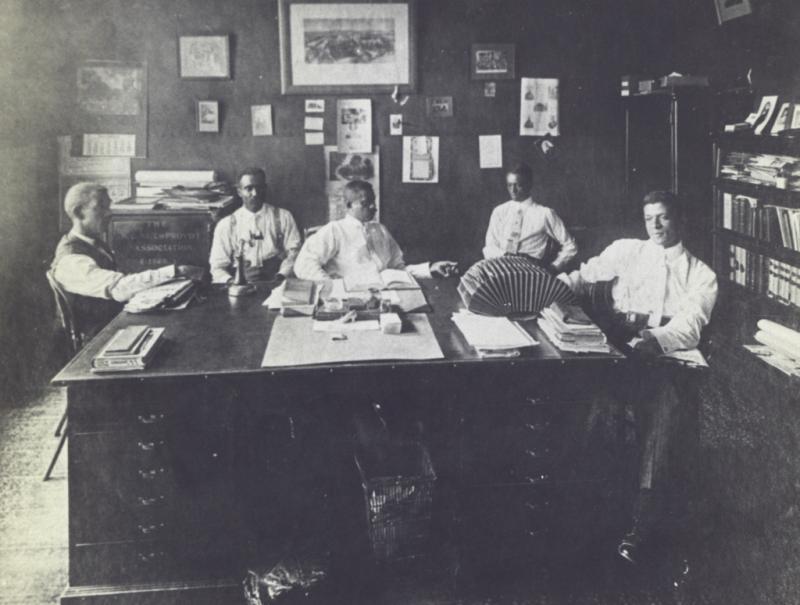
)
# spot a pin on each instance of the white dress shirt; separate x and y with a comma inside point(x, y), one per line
point(260, 228)
point(656, 281)
point(348, 247)
point(80, 274)
point(525, 227)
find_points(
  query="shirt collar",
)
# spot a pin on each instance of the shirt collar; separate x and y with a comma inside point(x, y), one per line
point(81, 236)
point(673, 253)
point(349, 218)
point(527, 202)
point(261, 211)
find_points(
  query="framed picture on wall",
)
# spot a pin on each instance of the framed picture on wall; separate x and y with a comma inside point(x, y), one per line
point(346, 47)
point(492, 61)
point(208, 116)
point(731, 9)
point(204, 57)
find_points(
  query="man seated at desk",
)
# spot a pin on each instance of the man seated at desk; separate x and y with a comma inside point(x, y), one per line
point(522, 226)
point(664, 296)
point(86, 270)
point(357, 243)
point(266, 234)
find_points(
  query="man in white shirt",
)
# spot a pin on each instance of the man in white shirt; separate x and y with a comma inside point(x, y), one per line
point(358, 244)
point(85, 268)
point(522, 226)
point(663, 298)
point(265, 234)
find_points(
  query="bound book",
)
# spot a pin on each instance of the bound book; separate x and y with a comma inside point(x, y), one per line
point(297, 297)
point(130, 349)
point(388, 279)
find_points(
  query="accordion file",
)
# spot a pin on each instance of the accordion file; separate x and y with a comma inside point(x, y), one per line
point(511, 285)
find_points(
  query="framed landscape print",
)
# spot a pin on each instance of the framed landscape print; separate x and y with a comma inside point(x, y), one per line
point(346, 47)
point(492, 61)
point(204, 57)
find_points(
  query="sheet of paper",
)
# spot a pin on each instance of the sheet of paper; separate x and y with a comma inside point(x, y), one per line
point(493, 333)
point(351, 326)
point(315, 138)
point(490, 147)
point(420, 159)
point(396, 124)
point(314, 123)
point(261, 116)
point(120, 145)
point(315, 105)
point(538, 110)
point(293, 342)
point(354, 125)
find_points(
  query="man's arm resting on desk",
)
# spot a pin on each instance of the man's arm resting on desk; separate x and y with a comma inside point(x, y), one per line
point(79, 274)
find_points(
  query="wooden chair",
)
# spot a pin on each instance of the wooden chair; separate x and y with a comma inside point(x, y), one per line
point(74, 340)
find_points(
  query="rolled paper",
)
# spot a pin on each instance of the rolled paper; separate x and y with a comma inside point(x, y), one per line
point(780, 331)
point(777, 345)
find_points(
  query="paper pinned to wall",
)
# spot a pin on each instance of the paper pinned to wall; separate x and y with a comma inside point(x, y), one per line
point(538, 108)
point(354, 125)
point(490, 147)
point(420, 159)
point(313, 123)
point(261, 119)
point(315, 138)
point(120, 145)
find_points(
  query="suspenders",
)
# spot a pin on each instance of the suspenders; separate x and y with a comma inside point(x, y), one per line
point(276, 219)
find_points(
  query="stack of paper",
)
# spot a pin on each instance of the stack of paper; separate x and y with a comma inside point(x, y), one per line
point(175, 294)
point(569, 329)
point(388, 279)
point(491, 336)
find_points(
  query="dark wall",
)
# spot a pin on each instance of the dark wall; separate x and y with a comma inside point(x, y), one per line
point(585, 45)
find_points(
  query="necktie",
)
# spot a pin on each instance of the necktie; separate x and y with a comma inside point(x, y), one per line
point(369, 238)
point(512, 244)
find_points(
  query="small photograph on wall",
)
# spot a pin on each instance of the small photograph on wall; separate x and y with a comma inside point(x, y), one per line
point(208, 116)
point(261, 116)
point(420, 159)
point(354, 125)
point(492, 61)
point(731, 9)
point(340, 168)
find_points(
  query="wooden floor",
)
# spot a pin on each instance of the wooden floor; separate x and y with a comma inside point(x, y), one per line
point(33, 547)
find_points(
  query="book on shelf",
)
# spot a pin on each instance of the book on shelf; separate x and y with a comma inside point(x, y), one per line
point(129, 349)
point(764, 275)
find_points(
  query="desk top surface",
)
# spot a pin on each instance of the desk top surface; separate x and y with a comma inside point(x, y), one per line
point(225, 335)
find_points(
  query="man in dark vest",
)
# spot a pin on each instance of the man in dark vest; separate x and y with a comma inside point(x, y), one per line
point(85, 268)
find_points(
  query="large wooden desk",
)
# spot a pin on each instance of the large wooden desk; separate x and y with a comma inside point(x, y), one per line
point(167, 470)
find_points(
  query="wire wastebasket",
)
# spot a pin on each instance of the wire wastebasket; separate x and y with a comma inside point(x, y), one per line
point(398, 491)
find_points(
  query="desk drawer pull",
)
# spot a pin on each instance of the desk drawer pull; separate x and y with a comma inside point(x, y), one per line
point(537, 507)
point(150, 474)
point(543, 453)
point(150, 418)
point(149, 446)
point(151, 557)
point(152, 501)
point(146, 530)
point(537, 427)
point(543, 478)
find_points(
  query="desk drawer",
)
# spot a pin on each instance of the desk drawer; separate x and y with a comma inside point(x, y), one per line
point(152, 560)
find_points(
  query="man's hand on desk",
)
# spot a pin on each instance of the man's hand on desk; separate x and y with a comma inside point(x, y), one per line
point(190, 271)
point(648, 346)
point(444, 268)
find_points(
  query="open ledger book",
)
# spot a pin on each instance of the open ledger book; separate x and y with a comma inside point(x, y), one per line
point(388, 279)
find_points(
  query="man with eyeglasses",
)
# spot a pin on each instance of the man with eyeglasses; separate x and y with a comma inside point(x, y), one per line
point(357, 243)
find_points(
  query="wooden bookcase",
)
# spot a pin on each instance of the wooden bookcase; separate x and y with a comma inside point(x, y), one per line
point(759, 275)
